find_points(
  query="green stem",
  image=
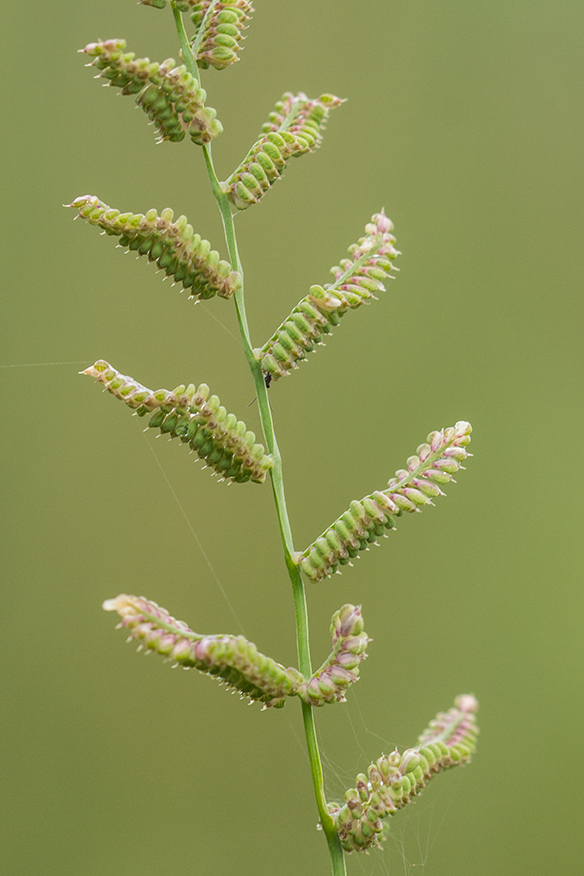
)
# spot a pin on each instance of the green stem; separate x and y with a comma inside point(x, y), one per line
point(185, 49)
point(302, 638)
point(334, 844)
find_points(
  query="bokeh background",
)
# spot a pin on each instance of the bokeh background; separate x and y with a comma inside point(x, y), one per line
point(465, 120)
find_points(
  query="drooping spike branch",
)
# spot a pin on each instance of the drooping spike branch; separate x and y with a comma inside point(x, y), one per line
point(197, 418)
point(237, 662)
point(294, 128)
point(434, 465)
point(394, 780)
point(341, 668)
point(233, 660)
point(168, 94)
point(172, 244)
point(220, 25)
point(357, 279)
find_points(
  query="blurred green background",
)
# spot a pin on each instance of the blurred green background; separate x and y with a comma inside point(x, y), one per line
point(465, 120)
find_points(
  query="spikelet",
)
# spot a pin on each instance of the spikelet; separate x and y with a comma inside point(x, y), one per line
point(394, 780)
point(341, 668)
point(294, 128)
point(220, 27)
point(197, 418)
point(173, 245)
point(168, 94)
point(357, 279)
point(433, 466)
point(232, 660)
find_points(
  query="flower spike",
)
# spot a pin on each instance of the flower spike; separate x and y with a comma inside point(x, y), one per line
point(171, 243)
point(394, 780)
point(294, 128)
point(231, 659)
point(220, 27)
point(341, 668)
point(357, 279)
point(238, 663)
point(197, 418)
point(169, 95)
point(433, 466)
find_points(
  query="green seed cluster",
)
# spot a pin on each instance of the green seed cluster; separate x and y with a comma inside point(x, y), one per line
point(300, 333)
point(219, 33)
point(286, 136)
point(357, 279)
point(173, 245)
point(305, 119)
point(394, 780)
point(219, 28)
point(232, 660)
point(168, 94)
point(237, 662)
point(197, 418)
point(341, 668)
point(433, 466)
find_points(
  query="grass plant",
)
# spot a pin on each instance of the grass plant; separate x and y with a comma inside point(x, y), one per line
point(171, 95)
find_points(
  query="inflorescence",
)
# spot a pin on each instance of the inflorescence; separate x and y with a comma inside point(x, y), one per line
point(357, 280)
point(168, 94)
point(172, 244)
point(237, 662)
point(294, 128)
point(433, 466)
point(197, 418)
point(175, 102)
point(394, 780)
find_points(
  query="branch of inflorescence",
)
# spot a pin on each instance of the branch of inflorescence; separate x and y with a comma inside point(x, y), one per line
point(334, 845)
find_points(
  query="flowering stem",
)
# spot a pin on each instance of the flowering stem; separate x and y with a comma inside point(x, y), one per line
point(185, 49)
point(304, 662)
point(302, 638)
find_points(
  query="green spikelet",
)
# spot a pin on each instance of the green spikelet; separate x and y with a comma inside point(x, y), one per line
point(220, 27)
point(394, 780)
point(357, 279)
point(341, 668)
point(169, 95)
point(294, 128)
point(173, 245)
point(434, 465)
point(232, 660)
point(197, 418)
point(305, 119)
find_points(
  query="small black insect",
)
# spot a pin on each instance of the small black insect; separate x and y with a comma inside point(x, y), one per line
point(267, 380)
